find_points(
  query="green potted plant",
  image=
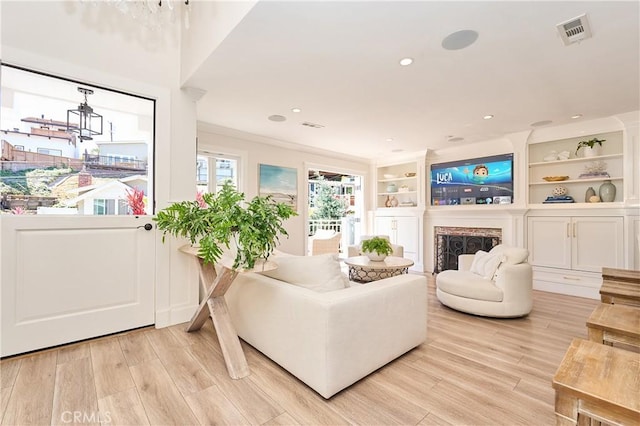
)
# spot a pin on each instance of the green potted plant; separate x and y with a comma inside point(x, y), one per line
point(220, 221)
point(589, 149)
point(377, 248)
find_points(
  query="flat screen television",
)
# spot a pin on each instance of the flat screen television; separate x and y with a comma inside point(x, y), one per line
point(484, 180)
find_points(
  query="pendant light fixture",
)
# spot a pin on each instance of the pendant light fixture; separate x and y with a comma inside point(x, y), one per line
point(88, 123)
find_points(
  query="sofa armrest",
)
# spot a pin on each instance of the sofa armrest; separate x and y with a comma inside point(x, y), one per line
point(465, 261)
point(353, 251)
point(516, 282)
point(330, 340)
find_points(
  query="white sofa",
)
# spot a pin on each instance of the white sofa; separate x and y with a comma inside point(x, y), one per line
point(330, 339)
point(499, 284)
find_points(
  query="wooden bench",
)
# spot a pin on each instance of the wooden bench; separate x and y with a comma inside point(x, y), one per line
point(620, 286)
point(597, 382)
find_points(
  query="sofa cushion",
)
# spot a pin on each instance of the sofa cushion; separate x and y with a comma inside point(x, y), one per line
point(486, 264)
point(319, 273)
point(512, 255)
point(469, 285)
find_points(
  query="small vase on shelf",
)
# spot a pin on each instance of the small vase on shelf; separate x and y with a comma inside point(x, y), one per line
point(590, 193)
point(607, 192)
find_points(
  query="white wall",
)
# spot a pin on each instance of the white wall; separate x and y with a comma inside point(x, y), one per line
point(260, 150)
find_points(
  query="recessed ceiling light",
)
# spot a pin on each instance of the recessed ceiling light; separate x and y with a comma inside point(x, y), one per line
point(488, 117)
point(458, 139)
point(389, 139)
point(406, 61)
point(296, 110)
point(576, 116)
point(541, 123)
point(277, 118)
point(459, 40)
point(397, 150)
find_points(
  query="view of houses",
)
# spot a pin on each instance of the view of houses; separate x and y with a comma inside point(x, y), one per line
point(47, 167)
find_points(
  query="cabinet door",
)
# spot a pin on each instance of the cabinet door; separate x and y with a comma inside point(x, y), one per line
point(407, 233)
point(597, 242)
point(550, 241)
point(385, 225)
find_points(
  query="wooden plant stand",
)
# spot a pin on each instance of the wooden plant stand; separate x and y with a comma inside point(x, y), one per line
point(214, 305)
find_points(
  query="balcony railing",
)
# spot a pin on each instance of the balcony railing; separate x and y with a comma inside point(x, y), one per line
point(103, 161)
point(333, 225)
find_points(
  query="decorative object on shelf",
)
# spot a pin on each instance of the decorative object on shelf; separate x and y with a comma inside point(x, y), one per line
point(607, 192)
point(590, 193)
point(376, 248)
point(551, 156)
point(389, 176)
point(410, 174)
point(559, 191)
point(403, 188)
point(407, 204)
point(559, 199)
point(594, 169)
point(589, 148)
point(391, 187)
point(387, 202)
point(227, 220)
point(555, 178)
point(393, 201)
point(594, 199)
point(563, 155)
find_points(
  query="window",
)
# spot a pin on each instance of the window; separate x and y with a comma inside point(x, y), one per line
point(57, 182)
point(214, 170)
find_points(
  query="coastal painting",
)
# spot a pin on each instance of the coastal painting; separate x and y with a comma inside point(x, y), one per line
point(281, 183)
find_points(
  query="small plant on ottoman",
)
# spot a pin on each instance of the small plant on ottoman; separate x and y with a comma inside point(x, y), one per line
point(376, 248)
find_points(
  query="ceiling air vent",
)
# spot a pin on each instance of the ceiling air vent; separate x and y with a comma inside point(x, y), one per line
point(574, 30)
point(315, 126)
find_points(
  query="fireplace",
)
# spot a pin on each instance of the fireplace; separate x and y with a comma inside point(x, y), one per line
point(450, 242)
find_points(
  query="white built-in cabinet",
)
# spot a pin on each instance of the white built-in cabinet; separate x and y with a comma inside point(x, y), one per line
point(568, 252)
point(402, 230)
point(401, 182)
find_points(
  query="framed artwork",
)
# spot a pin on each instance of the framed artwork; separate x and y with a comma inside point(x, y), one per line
point(281, 183)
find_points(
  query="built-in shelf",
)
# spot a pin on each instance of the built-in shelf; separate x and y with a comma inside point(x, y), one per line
point(397, 193)
point(576, 160)
point(560, 182)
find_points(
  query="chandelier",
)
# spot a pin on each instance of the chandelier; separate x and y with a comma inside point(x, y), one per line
point(153, 13)
point(88, 121)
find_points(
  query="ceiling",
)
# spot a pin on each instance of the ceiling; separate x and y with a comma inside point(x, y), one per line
point(339, 63)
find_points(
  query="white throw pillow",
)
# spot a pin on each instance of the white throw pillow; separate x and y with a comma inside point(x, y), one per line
point(320, 273)
point(512, 255)
point(486, 264)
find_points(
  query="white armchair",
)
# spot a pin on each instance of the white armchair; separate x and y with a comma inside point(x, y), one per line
point(356, 250)
point(494, 284)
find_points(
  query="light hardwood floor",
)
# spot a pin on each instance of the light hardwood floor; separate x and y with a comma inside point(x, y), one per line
point(471, 371)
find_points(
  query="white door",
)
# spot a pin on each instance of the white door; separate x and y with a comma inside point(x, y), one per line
point(550, 241)
point(597, 243)
point(68, 278)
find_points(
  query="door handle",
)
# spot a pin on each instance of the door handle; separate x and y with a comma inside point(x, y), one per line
point(568, 230)
point(146, 226)
point(575, 231)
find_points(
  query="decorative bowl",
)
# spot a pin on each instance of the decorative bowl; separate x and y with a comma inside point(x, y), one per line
point(555, 178)
point(410, 174)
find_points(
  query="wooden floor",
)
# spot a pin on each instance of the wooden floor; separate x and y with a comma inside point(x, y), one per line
point(471, 371)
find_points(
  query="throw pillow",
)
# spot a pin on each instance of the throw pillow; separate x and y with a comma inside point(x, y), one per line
point(512, 255)
point(486, 264)
point(319, 273)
